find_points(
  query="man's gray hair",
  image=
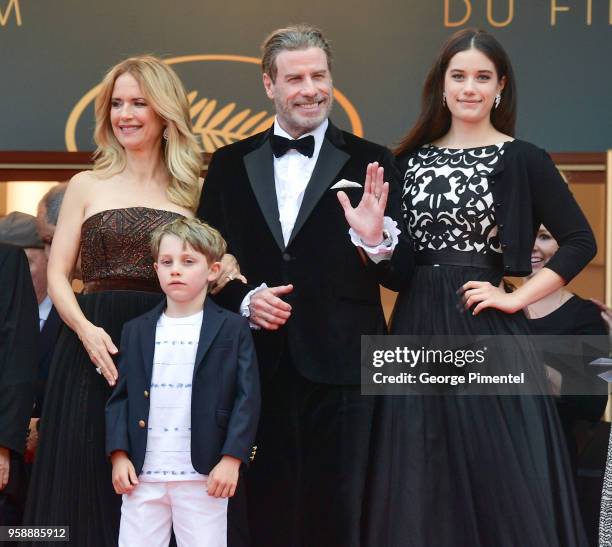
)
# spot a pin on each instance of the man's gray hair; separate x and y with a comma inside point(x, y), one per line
point(292, 38)
point(53, 202)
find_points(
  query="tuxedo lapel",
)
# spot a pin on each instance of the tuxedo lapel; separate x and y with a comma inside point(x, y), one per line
point(260, 169)
point(212, 320)
point(331, 159)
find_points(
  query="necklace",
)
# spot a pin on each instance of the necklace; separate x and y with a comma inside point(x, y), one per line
point(547, 308)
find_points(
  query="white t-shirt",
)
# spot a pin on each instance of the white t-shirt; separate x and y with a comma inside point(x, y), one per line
point(168, 453)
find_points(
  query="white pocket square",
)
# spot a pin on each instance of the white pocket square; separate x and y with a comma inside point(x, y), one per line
point(345, 184)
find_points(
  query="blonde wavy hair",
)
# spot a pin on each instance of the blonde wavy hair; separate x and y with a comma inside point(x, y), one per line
point(164, 91)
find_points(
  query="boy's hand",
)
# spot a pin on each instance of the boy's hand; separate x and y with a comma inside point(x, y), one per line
point(124, 474)
point(223, 478)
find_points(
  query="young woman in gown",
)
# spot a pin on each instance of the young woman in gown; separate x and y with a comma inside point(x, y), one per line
point(147, 172)
point(472, 470)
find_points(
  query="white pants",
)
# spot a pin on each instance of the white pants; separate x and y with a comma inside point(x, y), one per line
point(149, 512)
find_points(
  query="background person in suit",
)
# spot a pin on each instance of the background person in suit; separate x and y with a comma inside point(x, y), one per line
point(49, 320)
point(20, 229)
point(23, 230)
point(47, 213)
point(312, 293)
point(183, 417)
point(18, 331)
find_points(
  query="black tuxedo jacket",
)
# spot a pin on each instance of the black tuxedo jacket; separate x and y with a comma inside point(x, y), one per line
point(19, 333)
point(225, 398)
point(336, 295)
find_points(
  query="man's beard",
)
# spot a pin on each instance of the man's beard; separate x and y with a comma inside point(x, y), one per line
point(299, 123)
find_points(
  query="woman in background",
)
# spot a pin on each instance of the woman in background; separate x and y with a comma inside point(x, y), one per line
point(563, 317)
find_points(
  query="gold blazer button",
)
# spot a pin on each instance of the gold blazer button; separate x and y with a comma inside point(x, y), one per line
point(146, 394)
point(142, 423)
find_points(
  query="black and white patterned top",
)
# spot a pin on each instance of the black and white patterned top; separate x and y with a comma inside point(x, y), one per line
point(446, 200)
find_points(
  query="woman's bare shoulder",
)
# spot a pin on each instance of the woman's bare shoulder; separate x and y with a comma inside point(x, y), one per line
point(83, 189)
point(83, 181)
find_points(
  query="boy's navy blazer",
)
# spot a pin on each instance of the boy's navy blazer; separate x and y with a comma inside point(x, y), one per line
point(225, 397)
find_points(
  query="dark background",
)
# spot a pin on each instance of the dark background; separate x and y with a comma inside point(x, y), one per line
point(382, 52)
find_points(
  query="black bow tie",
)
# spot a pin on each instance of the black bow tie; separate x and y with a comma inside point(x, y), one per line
point(280, 145)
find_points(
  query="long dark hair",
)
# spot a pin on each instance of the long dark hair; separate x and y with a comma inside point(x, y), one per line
point(434, 121)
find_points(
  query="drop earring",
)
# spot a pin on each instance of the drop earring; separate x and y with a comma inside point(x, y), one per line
point(165, 133)
point(497, 100)
point(444, 98)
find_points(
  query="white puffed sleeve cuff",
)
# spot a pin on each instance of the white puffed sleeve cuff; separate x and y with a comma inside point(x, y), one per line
point(246, 301)
point(384, 251)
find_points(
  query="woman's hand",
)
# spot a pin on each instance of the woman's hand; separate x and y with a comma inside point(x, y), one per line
point(99, 347)
point(230, 270)
point(485, 295)
point(367, 218)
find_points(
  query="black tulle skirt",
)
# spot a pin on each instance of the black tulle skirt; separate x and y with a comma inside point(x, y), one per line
point(71, 482)
point(477, 471)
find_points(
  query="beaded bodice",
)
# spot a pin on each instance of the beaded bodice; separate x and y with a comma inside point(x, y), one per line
point(115, 248)
point(446, 199)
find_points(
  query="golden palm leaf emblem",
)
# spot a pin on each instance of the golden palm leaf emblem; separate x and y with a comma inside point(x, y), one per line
point(217, 126)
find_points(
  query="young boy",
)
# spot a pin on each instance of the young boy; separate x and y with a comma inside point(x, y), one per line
point(183, 416)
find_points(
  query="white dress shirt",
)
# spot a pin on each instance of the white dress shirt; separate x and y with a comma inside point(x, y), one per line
point(292, 172)
point(44, 309)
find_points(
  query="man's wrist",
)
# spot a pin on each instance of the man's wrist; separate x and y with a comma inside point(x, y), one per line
point(245, 311)
point(385, 239)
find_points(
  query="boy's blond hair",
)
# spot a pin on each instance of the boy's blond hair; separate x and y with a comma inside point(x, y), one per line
point(199, 235)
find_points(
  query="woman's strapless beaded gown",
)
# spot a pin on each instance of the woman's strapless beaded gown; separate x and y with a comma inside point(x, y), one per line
point(71, 482)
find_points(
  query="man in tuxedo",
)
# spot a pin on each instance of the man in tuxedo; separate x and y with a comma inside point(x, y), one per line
point(313, 291)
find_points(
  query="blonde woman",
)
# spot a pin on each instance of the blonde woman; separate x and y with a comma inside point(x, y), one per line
point(147, 173)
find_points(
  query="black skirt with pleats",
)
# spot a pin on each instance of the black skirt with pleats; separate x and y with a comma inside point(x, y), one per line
point(477, 471)
point(71, 483)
